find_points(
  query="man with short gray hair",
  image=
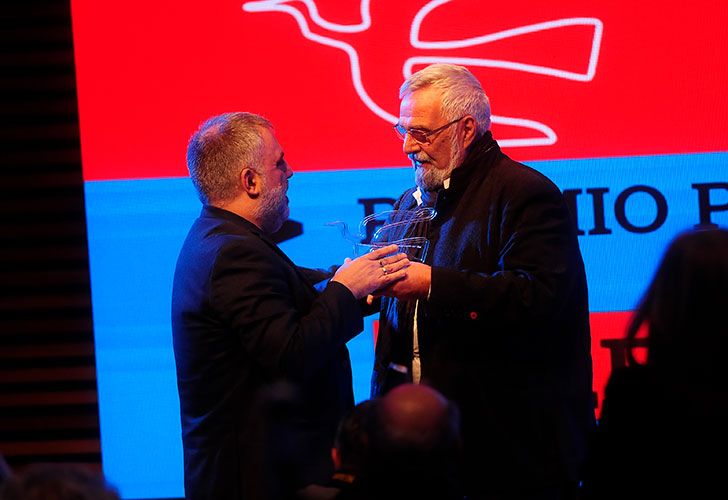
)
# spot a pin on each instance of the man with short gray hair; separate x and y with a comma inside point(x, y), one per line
point(497, 317)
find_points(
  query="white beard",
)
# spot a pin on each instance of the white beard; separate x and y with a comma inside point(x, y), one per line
point(432, 179)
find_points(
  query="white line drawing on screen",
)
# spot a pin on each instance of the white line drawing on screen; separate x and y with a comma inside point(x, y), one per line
point(548, 136)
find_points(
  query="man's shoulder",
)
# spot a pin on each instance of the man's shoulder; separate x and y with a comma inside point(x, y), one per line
point(210, 241)
point(515, 176)
point(207, 231)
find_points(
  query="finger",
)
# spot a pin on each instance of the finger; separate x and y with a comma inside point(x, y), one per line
point(370, 299)
point(395, 258)
point(396, 266)
point(391, 259)
point(394, 276)
point(382, 252)
point(392, 270)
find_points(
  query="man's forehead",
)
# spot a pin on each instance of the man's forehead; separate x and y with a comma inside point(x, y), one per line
point(271, 141)
point(422, 104)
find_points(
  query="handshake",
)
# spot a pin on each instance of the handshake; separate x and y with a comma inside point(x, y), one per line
point(383, 271)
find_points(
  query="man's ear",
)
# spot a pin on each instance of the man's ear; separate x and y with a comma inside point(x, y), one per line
point(250, 182)
point(470, 129)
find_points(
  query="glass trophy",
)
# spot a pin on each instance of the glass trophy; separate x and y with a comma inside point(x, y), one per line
point(405, 228)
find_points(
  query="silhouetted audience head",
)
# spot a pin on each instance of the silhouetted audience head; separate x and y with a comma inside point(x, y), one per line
point(417, 417)
point(685, 305)
point(415, 445)
point(351, 444)
point(57, 482)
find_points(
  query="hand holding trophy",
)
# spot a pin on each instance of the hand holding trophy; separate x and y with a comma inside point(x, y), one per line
point(405, 228)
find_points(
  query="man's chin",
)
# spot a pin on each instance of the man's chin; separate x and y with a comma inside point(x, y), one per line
point(427, 183)
point(277, 225)
point(273, 224)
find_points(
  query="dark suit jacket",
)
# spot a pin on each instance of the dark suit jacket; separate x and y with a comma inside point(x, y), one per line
point(244, 317)
point(505, 331)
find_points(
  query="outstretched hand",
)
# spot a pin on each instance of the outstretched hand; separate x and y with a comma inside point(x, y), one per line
point(415, 285)
point(376, 270)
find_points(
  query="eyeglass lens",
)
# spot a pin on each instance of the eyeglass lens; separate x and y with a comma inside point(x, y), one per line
point(420, 136)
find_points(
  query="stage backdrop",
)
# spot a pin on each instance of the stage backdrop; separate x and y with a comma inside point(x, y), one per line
point(622, 104)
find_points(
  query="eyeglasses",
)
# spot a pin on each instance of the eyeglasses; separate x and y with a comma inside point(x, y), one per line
point(421, 136)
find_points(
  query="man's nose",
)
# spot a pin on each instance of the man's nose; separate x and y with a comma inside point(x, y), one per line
point(289, 171)
point(410, 145)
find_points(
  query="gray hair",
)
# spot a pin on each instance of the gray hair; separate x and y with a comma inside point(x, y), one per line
point(462, 93)
point(219, 150)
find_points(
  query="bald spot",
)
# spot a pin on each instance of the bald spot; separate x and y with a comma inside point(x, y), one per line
point(414, 412)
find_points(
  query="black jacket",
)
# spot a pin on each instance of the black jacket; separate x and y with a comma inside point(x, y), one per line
point(244, 318)
point(505, 331)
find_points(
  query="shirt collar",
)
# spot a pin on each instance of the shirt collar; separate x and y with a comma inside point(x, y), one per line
point(417, 193)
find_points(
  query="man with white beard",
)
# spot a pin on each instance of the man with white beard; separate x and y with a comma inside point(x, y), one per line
point(497, 317)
